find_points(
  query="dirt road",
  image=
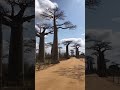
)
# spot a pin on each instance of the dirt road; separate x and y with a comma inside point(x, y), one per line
point(67, 75)
point(93, 82)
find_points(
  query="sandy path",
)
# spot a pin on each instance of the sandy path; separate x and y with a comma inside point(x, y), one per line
point(93, 82)
point(67, 75)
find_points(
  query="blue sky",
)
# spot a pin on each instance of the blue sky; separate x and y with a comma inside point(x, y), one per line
point(74, 12)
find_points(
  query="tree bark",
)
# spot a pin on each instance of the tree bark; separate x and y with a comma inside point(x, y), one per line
point(102, 65)
point(1, 51)
point(67, 51)
point(77, 52)
point(41, 55)
point(15, 65)
point(55, 58)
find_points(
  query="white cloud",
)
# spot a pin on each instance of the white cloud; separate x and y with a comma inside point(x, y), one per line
point(75, 40)
point(40, 6)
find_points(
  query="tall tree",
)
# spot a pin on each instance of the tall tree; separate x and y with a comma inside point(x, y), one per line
point(91, 4)
point(55, 15)
point(44, 29)
point(72, 52)
point(76, 46)
point(100, 47)
point(59, 48)
point(16, 21)
point(67, 43)
point(3, 11)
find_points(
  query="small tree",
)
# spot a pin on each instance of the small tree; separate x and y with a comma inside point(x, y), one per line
point(55, 15)
point(15, 21)
point(67, 43)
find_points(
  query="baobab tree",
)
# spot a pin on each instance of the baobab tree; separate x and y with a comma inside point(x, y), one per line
point(77, 46)
point(90, 62)
point(3, 11)
point(44, 29)
point(55, 15)
point(67, 43)
point(100, 47)
point(16, 21)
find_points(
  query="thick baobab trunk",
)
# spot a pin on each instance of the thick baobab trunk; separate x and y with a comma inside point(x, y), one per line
point(98, 64)
point(77, 52)
point(0, 51)
point(91, 65)
point(67, 51)
point(15, 65)
point(55, 58)
point(41, 55)
point(102, 65)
